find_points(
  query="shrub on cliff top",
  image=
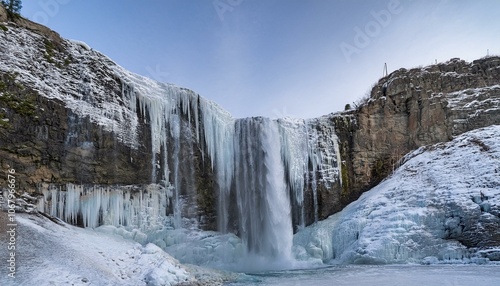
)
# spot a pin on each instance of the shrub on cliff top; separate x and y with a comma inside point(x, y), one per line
point(13, 7)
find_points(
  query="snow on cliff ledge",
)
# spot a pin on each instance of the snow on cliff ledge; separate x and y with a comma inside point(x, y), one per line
point(442, 204)
point(93, 86)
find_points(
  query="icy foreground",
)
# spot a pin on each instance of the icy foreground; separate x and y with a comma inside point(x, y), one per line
point(441, 205)
point(61, 254)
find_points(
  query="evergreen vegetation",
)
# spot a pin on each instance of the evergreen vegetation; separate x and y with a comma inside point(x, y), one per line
point(13, 7)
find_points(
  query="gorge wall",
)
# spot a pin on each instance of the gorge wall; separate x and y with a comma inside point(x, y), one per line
point(93, 143)
point(412, 108)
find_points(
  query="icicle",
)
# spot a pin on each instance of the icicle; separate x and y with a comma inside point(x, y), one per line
point(175, 123)
point(294, 143)
point(218, 127)
point(314, 162)
point(55, 202)
point(72, 203)
point(194, 102)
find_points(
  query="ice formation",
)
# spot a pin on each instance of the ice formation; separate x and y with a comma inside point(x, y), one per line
point(140, 208)
point(421, 212)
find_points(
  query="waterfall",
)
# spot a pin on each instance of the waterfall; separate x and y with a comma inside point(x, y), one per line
point(263, 202)
point(265, 171)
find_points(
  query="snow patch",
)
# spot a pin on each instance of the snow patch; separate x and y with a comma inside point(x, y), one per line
point(67, 255)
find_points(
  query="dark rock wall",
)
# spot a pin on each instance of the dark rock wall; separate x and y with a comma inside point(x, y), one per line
point(54, 145)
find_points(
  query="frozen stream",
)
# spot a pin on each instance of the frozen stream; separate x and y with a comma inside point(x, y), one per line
point(408, 275)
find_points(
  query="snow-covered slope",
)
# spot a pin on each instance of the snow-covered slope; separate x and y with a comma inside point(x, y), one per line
point(61, 254)
point(442, 204)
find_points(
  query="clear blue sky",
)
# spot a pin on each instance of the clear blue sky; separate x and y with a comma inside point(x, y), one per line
point(298, 58)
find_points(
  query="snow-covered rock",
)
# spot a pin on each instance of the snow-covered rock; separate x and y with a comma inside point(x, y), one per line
point(412, 108)
point(442, 204)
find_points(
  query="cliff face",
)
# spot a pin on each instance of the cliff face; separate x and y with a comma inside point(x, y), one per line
point(51, 144)
point(413, 108)
point(69, 115)
point(77, 127)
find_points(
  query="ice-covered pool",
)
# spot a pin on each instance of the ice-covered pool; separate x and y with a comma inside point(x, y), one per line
point(355, 275)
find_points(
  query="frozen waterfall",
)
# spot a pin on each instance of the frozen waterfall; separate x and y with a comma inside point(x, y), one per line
point(262, 169)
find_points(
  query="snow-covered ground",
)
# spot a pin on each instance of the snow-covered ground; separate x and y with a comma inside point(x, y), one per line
point(442, 197)
point(48, 253)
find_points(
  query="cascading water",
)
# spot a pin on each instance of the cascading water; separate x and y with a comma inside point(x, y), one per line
point(263, 201)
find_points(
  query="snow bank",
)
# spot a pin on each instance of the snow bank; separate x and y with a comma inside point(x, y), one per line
point(50, 253)
point(441, 199)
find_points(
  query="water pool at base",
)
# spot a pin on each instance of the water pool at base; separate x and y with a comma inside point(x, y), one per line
point(355, 275)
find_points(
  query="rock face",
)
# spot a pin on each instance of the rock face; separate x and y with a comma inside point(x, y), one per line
point(413, 108)
point(68, 115)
